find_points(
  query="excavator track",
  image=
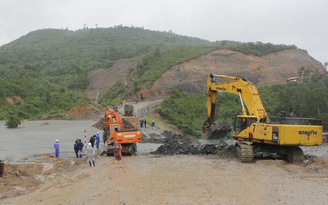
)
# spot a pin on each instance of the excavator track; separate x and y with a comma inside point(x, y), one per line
point(295, 155)
point(127, 149)
point(244, 152)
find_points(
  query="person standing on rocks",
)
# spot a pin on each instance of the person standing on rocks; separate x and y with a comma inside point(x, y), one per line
point(56, 146)
point(91, 155)
point(145, 123)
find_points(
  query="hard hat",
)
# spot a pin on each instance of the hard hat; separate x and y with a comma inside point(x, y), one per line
point(97, 132)
point(57, 140)
point(89, 144)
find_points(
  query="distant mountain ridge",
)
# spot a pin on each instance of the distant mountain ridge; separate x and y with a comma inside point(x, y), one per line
point(102, 43)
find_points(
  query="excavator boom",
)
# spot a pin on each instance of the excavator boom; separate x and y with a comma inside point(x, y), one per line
point(246, 90)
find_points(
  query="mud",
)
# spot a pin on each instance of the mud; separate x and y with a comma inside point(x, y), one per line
point(26, 176)
point(157, 179)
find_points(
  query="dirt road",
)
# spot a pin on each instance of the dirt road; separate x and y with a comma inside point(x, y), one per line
point(152, 179)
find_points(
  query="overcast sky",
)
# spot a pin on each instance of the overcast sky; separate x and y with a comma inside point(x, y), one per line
point(292, 22)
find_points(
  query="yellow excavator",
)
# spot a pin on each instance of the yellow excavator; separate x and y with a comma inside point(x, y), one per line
point(255, 134)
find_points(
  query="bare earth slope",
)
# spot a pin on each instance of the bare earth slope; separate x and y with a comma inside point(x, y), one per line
point(269, 69)
point(190, 76)
point(102, 80)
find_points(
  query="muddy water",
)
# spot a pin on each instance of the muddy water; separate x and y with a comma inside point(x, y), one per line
point(38, 137)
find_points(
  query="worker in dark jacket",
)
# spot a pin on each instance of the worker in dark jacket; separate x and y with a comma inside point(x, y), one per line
point(80, 146)
point(92, 140)
point(76, 149)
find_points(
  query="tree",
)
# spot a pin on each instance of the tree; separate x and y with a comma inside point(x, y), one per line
point(325, 65)
point(13, 121)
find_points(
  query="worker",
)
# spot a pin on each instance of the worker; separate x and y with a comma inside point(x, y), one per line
point(145, 123)
point(80, 146)
point(56, 146)
point(97, 140)
point(153, 123)
point(76, 149)
point(92, 140)
point(141, 121)
point(117, 152)
point(91, 155)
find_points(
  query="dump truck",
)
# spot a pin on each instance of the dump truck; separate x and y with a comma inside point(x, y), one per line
point(116, 130)
point(255, 134)
point(128, 110)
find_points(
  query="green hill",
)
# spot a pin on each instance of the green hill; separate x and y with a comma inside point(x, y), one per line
point(49, 68)
point(67, 57)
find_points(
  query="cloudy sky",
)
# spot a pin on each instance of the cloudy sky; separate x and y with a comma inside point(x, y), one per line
point(292, 22)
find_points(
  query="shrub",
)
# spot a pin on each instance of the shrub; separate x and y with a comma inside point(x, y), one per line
point(13, 121)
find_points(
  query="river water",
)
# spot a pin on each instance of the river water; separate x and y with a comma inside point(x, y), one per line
point(38, 137)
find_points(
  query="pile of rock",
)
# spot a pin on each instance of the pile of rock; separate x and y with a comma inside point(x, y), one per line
point(179, 144)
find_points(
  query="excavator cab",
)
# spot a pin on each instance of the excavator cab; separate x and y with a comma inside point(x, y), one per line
point(242, 122)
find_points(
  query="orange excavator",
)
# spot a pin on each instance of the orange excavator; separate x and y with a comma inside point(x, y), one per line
point(116, 130)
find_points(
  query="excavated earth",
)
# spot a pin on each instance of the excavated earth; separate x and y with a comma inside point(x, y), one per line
point(176, 144)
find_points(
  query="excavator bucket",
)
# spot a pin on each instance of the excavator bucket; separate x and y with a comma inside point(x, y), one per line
point(207, 126)
point(216, 131)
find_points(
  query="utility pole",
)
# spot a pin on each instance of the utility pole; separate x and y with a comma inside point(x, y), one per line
point(96, 101)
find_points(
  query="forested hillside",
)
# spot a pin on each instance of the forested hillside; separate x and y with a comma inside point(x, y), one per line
point(54, 65)
point(50, 69)
point(67, 57)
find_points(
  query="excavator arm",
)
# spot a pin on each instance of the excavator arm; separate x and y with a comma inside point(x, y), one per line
point(246, 90)
point(113, 116)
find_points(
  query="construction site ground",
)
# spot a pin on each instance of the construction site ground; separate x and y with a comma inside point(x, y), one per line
point(167, 178)
point(157, 179)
